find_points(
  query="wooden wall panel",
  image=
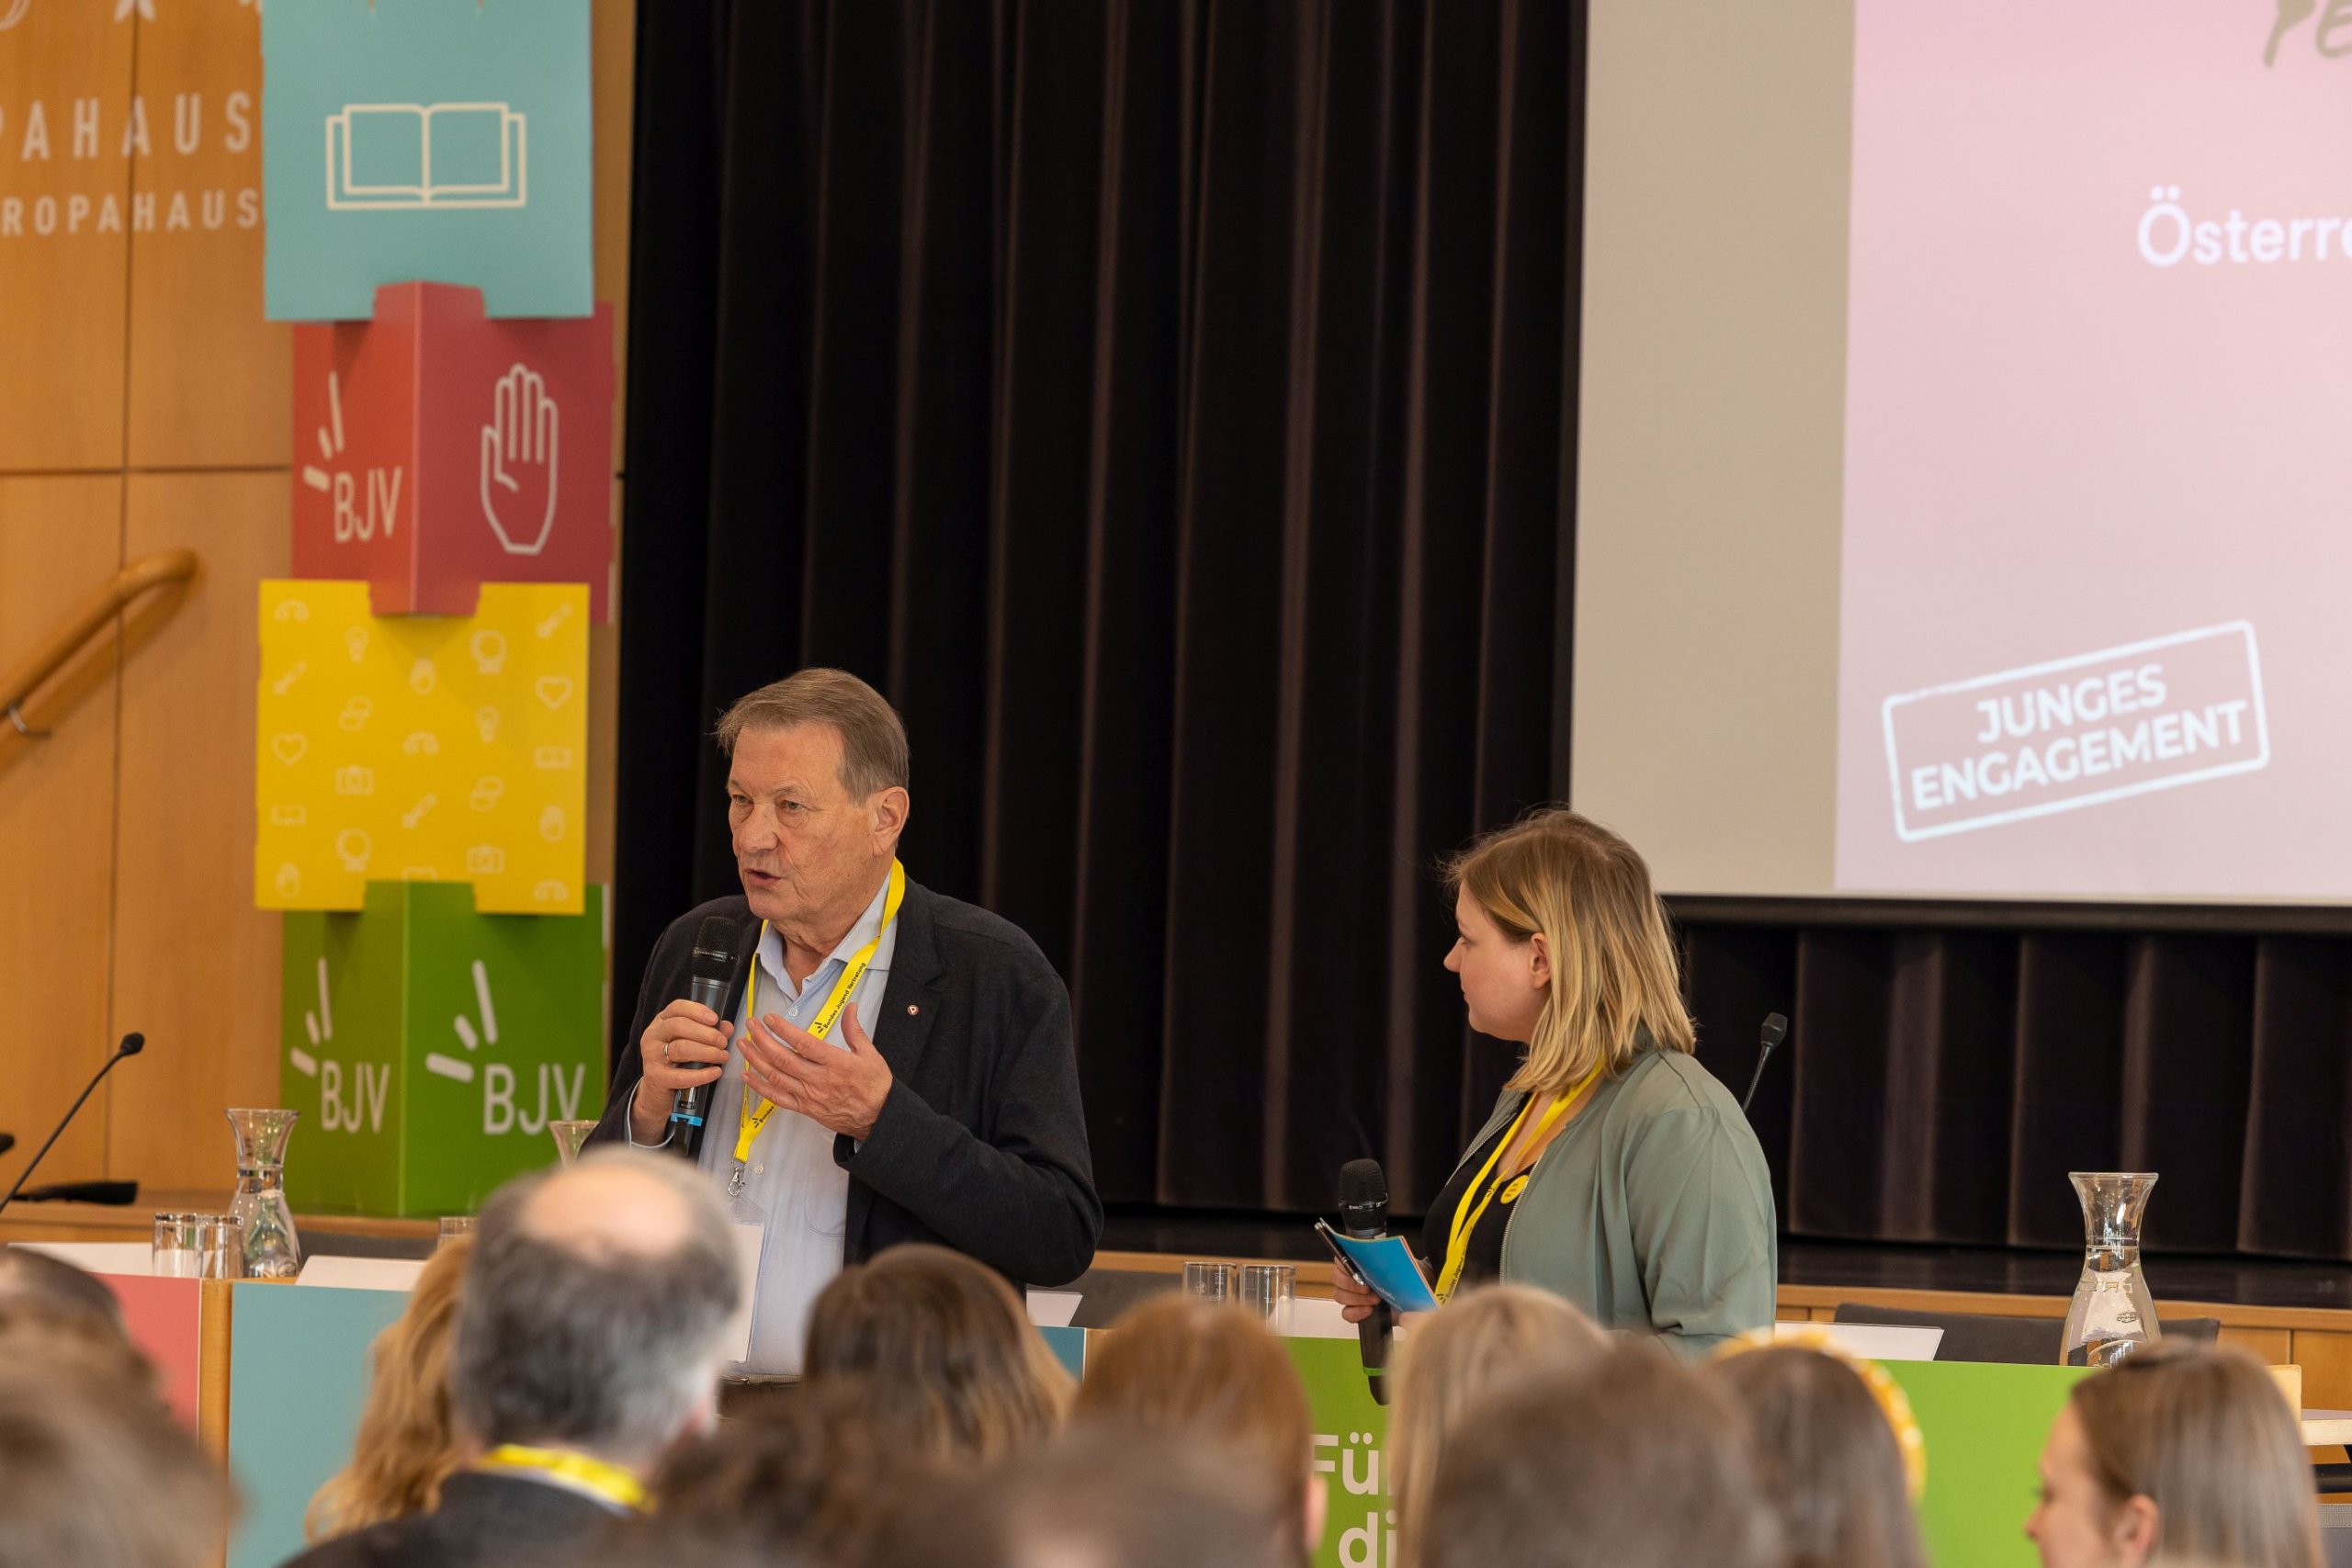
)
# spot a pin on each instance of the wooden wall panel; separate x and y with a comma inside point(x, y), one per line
point(614, 47)
point(210, 381)
point(61, 267)
point(2326, 1361)
point(60, 541)
point(200, 970)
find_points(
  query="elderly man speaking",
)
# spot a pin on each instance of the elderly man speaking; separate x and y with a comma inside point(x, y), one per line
point(891, 1066)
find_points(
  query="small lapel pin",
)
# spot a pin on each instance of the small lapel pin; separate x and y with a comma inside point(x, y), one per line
point(913, 1010)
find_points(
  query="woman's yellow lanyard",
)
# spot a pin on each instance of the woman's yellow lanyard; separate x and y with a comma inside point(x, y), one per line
point(607, 1483)
point(756, 1107)
point(1474, 1203)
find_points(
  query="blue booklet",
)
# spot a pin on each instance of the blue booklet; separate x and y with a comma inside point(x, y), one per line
point(1386, 1265)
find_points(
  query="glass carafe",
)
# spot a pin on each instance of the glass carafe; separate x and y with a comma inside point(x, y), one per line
point(272, 1249)
point(2112, 1314)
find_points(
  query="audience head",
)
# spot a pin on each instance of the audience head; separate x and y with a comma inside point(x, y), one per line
point(95, 1472)
point(2180, 1452)
point(406, 1446)
point(1203, 1372)
point(594, 1308)
point(815, 1472)
point(1105, 1496)
point(1827, 1456)
point(1487, 1338)
point(33, 1278)
point(1636, 1463)
point(945, 1351)
point(1564, 945)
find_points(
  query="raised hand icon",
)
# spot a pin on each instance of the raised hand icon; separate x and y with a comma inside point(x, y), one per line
point(518, 462)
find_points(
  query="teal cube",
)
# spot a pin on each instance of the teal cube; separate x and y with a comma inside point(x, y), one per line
point(428, 1046)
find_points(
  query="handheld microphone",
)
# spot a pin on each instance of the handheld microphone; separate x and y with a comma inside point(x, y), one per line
point(1363, 1214)
point(714, 966)
point(132, 1043)
point(1776, 1029)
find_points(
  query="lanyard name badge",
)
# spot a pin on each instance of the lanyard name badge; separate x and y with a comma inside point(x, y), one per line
point(1473, 1204)
point(756, 1109)
point(610, 1485)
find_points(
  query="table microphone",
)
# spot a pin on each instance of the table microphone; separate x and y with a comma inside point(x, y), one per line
point(1363, 1214)
point(1776, 1029)
point(7, 1141)
point(132, 1043)
point(714, 967)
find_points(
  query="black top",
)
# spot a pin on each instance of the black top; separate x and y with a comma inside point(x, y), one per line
point(1482, 1259)
point(482, 1520)
point(981, 1145)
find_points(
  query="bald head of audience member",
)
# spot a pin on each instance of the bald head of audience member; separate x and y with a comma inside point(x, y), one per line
point(1635, 1463)
point(594, 1308)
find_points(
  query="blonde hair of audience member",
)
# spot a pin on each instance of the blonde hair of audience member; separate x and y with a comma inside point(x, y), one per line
point(946, 1352)
point(1580, 897)
point(2183, 1453)
point(1826, 1458)
point(1636, 1463)
point(95, 1472)
point(1190, 1368)
point(1489, 1338)
point(407, 1444)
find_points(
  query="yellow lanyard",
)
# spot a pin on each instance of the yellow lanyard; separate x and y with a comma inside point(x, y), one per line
point(1474, 1203)
point(607, 1483)
point(756, 1107)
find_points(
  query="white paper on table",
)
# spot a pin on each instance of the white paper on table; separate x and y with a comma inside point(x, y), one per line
point(1872, 1341)
point(99, 1257)
point(1053, 1309)
point(363, 1274)
point(1313, 1319)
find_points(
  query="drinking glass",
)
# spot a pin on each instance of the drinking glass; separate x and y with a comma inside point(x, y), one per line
point(220, 1248)
point(175, 1256)
point(1271, 1290)
point(1210, 1281)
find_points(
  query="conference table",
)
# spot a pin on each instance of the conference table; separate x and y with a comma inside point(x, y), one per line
point(271, 1376)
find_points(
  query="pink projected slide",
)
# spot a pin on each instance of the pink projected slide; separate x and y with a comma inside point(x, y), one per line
point(2095, 635)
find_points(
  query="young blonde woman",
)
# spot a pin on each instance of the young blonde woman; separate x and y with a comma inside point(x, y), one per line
point(406, 1447)
point(1615, 1171)
point(1488, 1338)
point(2180, 1454)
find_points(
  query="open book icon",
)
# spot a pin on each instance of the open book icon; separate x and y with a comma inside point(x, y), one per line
point(388, 157)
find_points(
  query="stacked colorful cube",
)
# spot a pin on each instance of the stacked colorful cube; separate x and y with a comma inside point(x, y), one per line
point(421, 767)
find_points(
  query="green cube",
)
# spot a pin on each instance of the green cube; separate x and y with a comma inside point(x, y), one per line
point(428, 1046)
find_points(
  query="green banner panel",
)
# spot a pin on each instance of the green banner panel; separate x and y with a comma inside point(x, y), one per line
point(428, 1046)
point(1985, 1425)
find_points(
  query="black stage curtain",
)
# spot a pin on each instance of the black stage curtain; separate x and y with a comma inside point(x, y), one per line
point(1170, 407)
point(1941, 1084)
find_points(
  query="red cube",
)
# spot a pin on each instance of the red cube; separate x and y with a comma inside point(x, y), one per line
point(436, 449)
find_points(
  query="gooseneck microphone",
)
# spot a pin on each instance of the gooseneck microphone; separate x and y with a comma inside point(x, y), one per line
point(132, 1043)
point(1364, 1215)
point(1776, 1029)
point(714, 966)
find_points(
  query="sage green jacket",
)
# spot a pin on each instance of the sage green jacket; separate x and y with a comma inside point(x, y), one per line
point(1652, 1209)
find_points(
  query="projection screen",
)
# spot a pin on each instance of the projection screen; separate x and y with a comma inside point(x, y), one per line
point(1965, 502)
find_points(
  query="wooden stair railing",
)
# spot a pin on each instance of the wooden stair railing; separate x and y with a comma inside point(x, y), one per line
point(163, 570)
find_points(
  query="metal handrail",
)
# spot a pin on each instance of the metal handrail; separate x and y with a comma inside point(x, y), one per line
point(161, 570)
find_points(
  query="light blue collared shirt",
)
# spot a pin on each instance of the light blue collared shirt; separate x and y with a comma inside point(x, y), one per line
point(792, 1178)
